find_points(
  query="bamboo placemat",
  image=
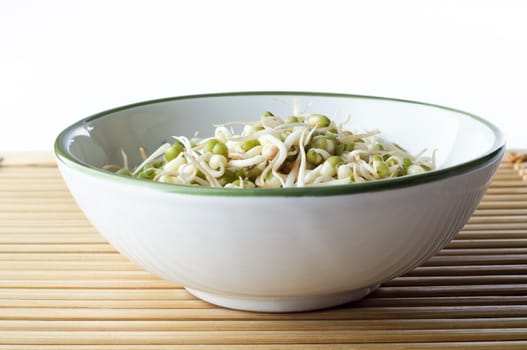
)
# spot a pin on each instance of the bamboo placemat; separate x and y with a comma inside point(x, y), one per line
point(63, 287)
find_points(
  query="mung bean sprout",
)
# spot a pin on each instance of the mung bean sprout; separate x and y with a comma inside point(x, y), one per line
point(275, 152)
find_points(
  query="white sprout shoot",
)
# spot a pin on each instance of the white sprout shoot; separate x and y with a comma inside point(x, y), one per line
point(157, 153)
point(125, 159)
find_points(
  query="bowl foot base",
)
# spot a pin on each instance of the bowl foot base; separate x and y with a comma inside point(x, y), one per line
point(281, 304)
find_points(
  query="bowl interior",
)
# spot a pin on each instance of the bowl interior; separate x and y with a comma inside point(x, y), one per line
point(458, 137)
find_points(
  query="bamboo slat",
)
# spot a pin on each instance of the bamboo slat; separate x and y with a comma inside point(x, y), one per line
point(493, 345)
point(63, 287)
point(259, 337)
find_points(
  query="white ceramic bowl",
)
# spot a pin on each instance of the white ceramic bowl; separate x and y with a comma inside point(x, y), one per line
point(288, 249)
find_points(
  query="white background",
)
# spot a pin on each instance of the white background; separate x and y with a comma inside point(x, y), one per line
point(61, 61)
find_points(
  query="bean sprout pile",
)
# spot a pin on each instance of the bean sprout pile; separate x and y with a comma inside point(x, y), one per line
point(273, 152)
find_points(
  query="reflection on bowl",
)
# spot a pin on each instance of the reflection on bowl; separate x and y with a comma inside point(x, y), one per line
point(285, 249)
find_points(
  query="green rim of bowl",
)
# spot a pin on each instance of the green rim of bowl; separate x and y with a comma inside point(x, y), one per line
point(494, 153)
